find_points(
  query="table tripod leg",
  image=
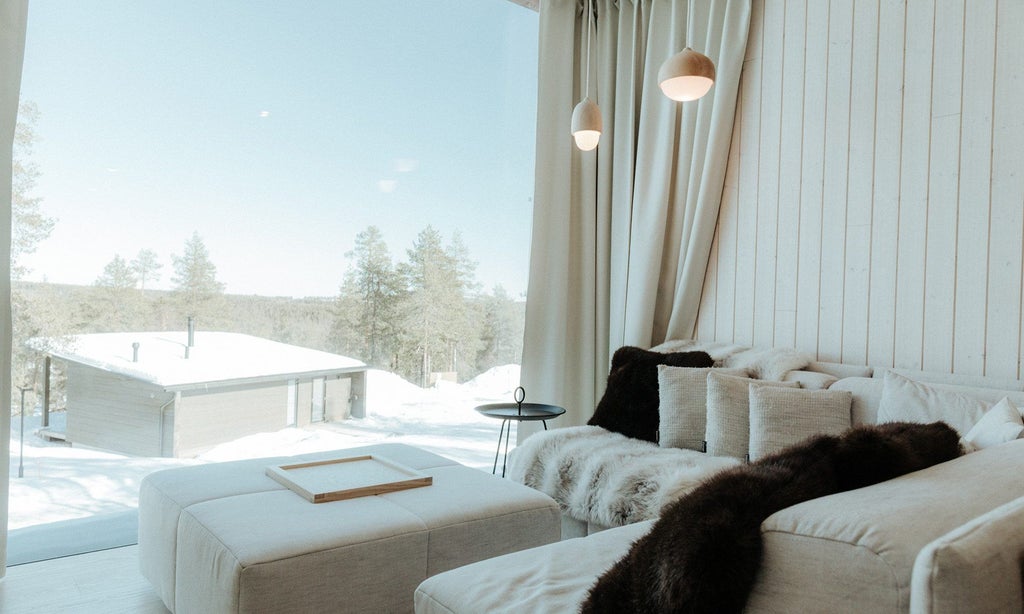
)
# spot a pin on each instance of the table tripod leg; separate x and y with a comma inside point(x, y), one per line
point(504, 461)
point(494, 469)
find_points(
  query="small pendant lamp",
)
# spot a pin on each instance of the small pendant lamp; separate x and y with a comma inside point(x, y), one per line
point(586, 117)
point(689, 74)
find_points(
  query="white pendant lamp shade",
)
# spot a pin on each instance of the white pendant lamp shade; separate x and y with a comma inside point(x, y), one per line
point(687, 75)
point(586, 124)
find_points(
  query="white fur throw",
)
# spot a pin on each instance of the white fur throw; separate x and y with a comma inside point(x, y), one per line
point(770, 363)
point(607, 478)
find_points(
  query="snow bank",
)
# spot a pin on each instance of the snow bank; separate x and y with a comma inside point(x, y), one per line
point(64, 482)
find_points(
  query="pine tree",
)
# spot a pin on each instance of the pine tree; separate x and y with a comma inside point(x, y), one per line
point(365, 318)
point(146, 268)
point(195, 278)
point(117, 305)
point(436, 324)
point(117, 274)
point(29, 226)
point(501, 334)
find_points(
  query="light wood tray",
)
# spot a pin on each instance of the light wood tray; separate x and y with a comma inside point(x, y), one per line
point(348, 477)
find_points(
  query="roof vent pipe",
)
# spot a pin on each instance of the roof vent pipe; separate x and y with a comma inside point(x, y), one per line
point(135, 351)
point(191, 331)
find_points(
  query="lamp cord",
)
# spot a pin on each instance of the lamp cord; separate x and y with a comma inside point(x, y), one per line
point(587, 81)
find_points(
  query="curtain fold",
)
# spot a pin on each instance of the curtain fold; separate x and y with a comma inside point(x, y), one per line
point(13, 21)
point(621, 235)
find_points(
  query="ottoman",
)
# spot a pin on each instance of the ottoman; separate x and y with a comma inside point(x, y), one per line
point(226, 538)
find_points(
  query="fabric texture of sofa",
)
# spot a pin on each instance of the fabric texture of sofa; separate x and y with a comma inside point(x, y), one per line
point(226, 538)
point(896, 546)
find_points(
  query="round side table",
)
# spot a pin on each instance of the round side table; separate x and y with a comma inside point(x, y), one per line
point(516, 412)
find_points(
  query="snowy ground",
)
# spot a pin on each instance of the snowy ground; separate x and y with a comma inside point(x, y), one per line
point(62, 482)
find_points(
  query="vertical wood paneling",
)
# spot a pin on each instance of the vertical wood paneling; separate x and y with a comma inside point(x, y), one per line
point(874, 202)
point(886, 193)
point(812, 165)
point(768, 173)
point(913, 210)
point(789, 154)
point(1004, 296)
point(834, 187)
point(943, 182)
point(863, 84)
point(975, 189)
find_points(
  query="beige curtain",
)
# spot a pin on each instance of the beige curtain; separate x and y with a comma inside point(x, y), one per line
point(621, 235)
point(13, 19)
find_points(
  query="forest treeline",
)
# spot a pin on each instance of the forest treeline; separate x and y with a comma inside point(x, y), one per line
point(416, 318)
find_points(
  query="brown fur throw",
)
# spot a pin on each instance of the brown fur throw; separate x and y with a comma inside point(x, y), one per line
point(630, 402)
point(704, 552)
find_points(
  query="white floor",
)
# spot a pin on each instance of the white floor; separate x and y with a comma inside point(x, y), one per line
point(106, 582)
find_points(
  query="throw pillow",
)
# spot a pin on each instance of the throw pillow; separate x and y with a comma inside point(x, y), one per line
point(781, 417)
point(728, 427)
point(683, 405)
point(904, 400)
point(630, 401)
point(999, 425)
point(811, 380)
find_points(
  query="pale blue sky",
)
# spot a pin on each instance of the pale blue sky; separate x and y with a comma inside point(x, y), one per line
point(279, 130)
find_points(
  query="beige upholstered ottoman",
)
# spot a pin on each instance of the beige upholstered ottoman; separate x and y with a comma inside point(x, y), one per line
point(227, 538)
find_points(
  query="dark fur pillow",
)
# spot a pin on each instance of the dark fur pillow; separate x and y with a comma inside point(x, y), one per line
point(630, 402)
point(703, 554)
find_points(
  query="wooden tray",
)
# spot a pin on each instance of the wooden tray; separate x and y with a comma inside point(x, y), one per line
point(347, 477)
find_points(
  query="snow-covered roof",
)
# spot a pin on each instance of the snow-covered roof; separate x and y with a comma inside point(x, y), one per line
point(215, 359)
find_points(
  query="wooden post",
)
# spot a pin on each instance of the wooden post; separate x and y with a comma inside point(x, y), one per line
point(46, 391)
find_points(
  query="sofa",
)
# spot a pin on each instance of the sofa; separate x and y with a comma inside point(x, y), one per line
point(944, 539)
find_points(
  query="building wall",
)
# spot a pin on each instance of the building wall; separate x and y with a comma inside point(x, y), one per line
point(874, 202)
point(113, 412)
point(206, 418)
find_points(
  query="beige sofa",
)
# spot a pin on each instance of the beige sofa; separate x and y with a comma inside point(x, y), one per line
point(895, 546)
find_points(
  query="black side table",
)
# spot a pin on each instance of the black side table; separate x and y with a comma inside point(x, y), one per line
point(517, 412)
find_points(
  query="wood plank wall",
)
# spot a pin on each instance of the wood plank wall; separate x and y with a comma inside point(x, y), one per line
point(873, 211)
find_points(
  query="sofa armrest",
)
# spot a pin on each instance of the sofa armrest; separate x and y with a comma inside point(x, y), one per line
point(976, 567)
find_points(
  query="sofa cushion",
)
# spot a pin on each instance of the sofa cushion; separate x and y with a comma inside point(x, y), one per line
point(855, 550)
point(905, 400)
point(552, 578)
point(1000, 424)
point(977, 567)
point(683, 405)
point(728, 427)
point(781, 417)
point(630, 401)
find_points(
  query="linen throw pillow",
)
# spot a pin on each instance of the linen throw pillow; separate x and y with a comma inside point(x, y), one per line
point(630, 401)
point(781, 417)
point(728, 427)
point(683, 405)
point(1000, 424)
point(904, 400)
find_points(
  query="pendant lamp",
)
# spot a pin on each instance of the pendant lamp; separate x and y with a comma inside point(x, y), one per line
point(586, 117)
point(689, 74)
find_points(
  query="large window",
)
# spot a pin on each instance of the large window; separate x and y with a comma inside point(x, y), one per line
point(352, 179)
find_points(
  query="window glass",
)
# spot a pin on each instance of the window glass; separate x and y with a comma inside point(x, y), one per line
point(197, 181)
